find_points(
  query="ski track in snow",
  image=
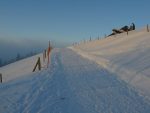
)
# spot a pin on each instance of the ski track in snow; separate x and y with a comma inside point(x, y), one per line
point(72, 84)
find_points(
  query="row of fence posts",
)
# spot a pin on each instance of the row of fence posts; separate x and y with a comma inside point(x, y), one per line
point(38, 63)
point(46, 54)
point(105, 36)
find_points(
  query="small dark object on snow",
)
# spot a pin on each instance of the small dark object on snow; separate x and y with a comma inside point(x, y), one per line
point(123, 29)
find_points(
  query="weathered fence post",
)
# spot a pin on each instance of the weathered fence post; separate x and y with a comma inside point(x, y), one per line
point(44, 55)
point(90, 38)
point(38, 63)
point(147, 28)
point(0, 77)
point(127, 32)
point(48, 54)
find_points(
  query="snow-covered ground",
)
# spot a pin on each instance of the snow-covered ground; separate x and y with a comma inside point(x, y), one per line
point(127, 56)
point(72, 84)
point(19, 69)
point(114, 79)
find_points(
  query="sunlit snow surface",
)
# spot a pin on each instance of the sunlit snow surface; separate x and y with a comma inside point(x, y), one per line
point(72, 84)
point(128, 56)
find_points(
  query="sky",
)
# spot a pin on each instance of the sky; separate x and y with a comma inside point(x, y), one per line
point(64, 22)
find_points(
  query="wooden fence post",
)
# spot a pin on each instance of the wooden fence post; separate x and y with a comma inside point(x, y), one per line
point(44, 55)
point(0, 77)
point(48, 54)
point(147, 28)
point(127, 32)
point(90, 38)
point(38, 63)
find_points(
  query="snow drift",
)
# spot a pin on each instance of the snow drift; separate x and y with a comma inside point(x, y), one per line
point(128, 56)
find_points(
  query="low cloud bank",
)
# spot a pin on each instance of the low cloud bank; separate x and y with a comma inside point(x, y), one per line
point(9, 48)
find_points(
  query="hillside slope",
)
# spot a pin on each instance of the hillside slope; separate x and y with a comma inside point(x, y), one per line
point(72, 84)
point(19, 69)
point(128, 56)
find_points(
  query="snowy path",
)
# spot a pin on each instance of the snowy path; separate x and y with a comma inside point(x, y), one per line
point(71, 85)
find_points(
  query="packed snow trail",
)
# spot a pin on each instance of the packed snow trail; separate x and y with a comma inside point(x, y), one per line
point(72, 84)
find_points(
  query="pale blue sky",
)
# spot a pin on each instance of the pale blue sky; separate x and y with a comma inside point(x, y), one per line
point(67, 21)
